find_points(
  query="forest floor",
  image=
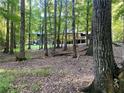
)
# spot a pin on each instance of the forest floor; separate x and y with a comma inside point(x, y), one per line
point(59, 74)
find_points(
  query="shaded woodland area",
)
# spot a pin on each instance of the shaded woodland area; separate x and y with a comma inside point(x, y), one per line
point(61, 46)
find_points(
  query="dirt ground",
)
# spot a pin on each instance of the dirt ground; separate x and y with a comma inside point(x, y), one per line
point(67, 74)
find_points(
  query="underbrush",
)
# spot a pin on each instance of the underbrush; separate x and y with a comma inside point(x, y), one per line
point(5, 83)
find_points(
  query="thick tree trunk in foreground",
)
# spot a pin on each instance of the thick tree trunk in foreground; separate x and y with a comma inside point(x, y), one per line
point(102, 46)
point(105, 67)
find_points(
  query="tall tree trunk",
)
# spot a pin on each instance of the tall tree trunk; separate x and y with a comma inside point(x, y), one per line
point(6, 49)
point(73, 29)
point(55, 10)
point(12, 34)
point(66, 20)
point(41, 37)
point(45, 28)
point(102, 46)
point(87, 22)
point(123, 27)
point(41, 26)
point(59, 26)
point(50, 21)
point(123, 23)
point(22, 33)
point(14, 38)
point(77, 31)
point(50, 18)
point(62, 38)
point(15, 28)
point(29, 29)
point(105, 66)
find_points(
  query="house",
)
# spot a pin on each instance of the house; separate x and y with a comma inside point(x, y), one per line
point(80, 37)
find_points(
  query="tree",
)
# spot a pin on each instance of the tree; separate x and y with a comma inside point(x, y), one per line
point(66, 20)
point(50, 21)
point(89, 51)
point(105, 67)
point(29, 29)
point(6, 49)
point(123, 23)
point(45, 28)
point(12, 33)
point(73, 29)
point(59, 25)
point(87, 21)
point(55, 10)
point(90, 46)
point(41, 26)
point(22, 33)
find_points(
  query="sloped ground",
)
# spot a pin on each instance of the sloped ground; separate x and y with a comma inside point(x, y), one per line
point(66, 74)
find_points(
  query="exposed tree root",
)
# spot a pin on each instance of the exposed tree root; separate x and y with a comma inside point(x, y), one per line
point(90, 89)
point(116, 75)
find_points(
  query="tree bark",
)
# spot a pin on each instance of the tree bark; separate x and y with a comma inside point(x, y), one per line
point(66, 20)
point(105, 66)
point(73, 29)
point(87, 22)
point(59, 26)
point(29, 28)
point(21, 56)
point(41, 27)
point(6, 49)
point(12, 34)
point(45, 28)
point(55, 15)
point(123, 23)
point(89, 51)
